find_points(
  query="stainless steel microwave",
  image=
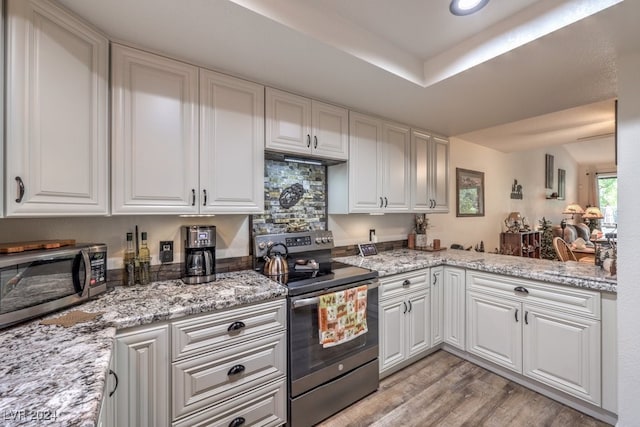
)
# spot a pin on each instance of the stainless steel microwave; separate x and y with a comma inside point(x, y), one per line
point(41, 281)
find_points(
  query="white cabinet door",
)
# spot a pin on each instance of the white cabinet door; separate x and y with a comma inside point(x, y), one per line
point(493, 330)
point(365, 180)
point(563, 351)
point(330, 131)
point(454, 307)
point(429, 172)
point(418, 323)
point(154, 134)
point(56, 113)
point(142, 365)
point(395, 153)
point(439, 176)
point(231, 144)
point(299, 125)
point(107, 416)
point(288, 122)
point(392, 332)
point(437, 305)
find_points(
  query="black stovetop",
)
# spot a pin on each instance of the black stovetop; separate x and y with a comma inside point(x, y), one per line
point(328, 275)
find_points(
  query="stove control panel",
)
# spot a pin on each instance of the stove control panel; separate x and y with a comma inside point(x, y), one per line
point(295, 242)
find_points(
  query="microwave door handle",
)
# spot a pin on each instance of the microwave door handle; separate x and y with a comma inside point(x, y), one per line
point(83, 292)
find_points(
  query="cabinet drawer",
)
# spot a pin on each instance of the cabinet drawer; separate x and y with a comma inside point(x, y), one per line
point(204, 380)
point(264, 406)
point(564, 298)
point(405, 282)
point(211, 332)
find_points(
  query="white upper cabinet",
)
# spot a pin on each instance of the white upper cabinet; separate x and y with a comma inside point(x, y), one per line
point(154, 134)
point(185, 140)
point(231, 144)
point(56, 113)
point(429, 172)
point(299, 125)
point(395, 150)
point(376, 178)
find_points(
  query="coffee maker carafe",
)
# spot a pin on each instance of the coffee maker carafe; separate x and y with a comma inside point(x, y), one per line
point(199, 243)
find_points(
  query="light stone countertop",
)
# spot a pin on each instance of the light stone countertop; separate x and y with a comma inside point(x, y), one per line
point(578, 274)
point(49, 371)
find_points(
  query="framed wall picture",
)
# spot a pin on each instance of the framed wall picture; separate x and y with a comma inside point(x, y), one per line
point(561, 183)
point(548, 171)
point(469, 193)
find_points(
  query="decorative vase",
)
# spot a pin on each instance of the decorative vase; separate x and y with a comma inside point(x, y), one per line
point(421, 240)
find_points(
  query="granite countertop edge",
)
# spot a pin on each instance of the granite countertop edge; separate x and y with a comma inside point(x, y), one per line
point(70, 388)
point(576, 274)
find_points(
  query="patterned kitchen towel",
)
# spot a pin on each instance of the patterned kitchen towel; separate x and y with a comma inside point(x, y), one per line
point(342, 316)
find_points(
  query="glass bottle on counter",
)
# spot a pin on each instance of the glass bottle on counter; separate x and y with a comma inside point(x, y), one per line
point(144, 259)
point(129, 262)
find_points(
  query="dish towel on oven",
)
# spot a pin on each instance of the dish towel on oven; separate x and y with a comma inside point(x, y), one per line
point(342, 316)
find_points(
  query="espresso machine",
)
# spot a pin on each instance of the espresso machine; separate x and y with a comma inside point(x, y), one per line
point(199, 243)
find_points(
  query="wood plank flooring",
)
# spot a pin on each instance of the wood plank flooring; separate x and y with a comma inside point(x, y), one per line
point(444, 390)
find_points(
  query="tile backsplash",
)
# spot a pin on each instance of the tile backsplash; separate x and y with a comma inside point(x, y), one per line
point(295, 198)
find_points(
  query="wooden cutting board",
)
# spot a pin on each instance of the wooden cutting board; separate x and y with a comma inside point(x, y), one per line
point(9, 248)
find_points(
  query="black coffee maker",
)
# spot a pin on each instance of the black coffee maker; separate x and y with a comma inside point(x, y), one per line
point(199, 243)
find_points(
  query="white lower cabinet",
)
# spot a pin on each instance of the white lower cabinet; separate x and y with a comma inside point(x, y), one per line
point(454, 303)
point(545, 332)
point(405, 319)
point(142, 365)
point(437, 305)
point(224, 368)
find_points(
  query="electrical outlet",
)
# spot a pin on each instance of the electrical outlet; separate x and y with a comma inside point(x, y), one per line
point(166, 251)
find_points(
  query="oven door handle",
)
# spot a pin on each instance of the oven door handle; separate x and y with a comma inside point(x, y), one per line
point(315, 300)
point(305, 302)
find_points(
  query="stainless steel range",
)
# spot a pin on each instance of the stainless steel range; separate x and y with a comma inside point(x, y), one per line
point(328, 368)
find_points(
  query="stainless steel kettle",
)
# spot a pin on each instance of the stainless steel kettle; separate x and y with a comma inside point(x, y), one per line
point(276, 265)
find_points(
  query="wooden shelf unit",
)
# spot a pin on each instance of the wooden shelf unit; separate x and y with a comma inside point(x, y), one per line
point(524, 243)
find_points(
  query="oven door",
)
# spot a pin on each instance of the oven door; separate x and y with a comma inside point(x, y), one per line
point(311, 364)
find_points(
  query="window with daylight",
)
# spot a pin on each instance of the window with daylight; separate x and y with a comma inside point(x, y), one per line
point(607, 186)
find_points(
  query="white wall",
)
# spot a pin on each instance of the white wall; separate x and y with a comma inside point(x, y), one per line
point(232, 232)
point(629, 235)
point(528, 167)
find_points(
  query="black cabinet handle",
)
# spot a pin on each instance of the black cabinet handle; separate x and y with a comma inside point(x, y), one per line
point(406, 282)
point(410, 307)
point(236, 369)
point(521, 289)
point(116, 385)
point(405, 307)
point(20, 189)
point(235, 326)
point(516, 314)
point(193, 197)
point(315, 141)
point(204, 192)
point(386, 202)
point(237, 422)
point(308, 140)
point(435, 278)
point(526, 317)
point(381, 202)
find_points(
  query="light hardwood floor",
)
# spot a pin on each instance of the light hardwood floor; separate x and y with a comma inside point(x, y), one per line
point(444, 390)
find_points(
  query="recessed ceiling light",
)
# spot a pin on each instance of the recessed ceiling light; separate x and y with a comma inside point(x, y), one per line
point(466, 7)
